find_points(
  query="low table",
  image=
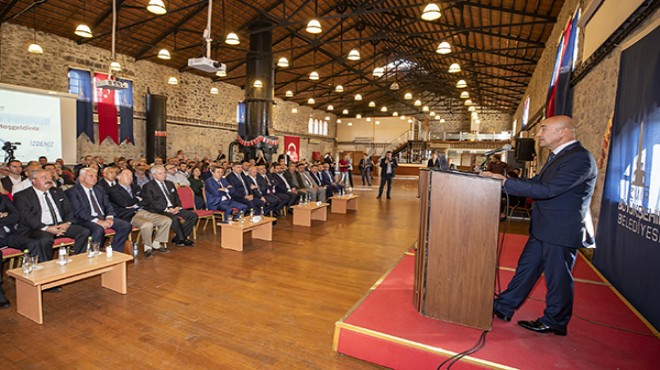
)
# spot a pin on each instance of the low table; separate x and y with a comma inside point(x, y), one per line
point(29, 286)
point(304, 214)
point(344, 203)
point(232, 233)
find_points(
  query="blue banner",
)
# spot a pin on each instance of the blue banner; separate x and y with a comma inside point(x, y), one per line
point(80, 83)
point(125, 102)
point(560, 93)
point(628, 238)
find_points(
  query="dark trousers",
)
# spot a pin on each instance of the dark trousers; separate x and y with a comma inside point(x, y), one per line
point(78, 233)
point(228, 205)
point(182, 230)
point(36, 247)
point(366, 176)
point(122, 230)
point(254, 204)
point(557, 264)
point(385, 178)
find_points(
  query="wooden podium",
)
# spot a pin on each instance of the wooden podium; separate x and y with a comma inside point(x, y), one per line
point(457, 250)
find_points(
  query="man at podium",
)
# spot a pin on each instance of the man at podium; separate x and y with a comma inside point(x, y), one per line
point(560, 224)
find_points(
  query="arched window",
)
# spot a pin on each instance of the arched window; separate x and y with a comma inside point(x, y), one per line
point(316, 126)
point(310, 125)
point(325, 128)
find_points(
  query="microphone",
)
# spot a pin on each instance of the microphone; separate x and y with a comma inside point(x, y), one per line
point(502, 149)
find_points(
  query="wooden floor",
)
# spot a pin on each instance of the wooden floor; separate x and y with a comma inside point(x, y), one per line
point(271, 307)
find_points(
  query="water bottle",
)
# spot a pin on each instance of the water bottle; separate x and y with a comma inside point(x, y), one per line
point(90, 253)
point(262, 211)
point(241, 217)
point(27, 264)
point(61, 256)
point(135, 249)
point(108, 251)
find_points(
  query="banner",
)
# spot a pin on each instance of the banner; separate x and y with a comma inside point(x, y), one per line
point(628, 238)
point(80, 83)
point(126, 112)
point(107, 111)
point(292, 147)
point(560, 93)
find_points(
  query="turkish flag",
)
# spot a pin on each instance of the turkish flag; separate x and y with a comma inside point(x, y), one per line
point(292, 147)
point(107, 110)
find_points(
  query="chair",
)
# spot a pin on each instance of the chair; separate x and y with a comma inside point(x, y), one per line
point(62, 242)
point(12, 256)
point(187, 197)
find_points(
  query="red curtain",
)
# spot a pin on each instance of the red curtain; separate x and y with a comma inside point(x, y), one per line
point(107, 110)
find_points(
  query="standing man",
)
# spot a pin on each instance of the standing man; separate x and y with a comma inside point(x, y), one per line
point(47, 214)
point(127, 197)
point(365, 169)
point(93, 210)
point(438, 161)
point(387, 166)
point(560, 224)
point(160, 196)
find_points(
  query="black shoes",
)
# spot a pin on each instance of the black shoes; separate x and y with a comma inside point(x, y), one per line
point(163, 250)
point(501, 316)
point(188, 243)
point(4, 302)
point(378, 197)
point(183, 243)
point(149, 253)
point(539, 327)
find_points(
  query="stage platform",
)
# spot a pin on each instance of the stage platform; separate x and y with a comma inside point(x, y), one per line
point(604, 333)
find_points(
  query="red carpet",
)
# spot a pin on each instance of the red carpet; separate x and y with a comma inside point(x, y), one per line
point(385, 329)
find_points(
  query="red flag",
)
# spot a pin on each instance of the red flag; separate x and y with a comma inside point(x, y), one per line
point(105, 105)
point(292, 147)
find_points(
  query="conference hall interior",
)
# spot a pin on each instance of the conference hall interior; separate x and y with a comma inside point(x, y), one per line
point(329, 184)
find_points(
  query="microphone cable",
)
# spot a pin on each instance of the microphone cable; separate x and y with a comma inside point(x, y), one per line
point(457, 357)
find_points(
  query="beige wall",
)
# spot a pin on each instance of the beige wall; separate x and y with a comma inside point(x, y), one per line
point(389, 129)
point(198, 122)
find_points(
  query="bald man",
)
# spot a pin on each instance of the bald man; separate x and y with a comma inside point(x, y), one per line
point(560, 224)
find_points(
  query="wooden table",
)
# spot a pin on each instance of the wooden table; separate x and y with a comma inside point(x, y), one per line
point(343, 203)
point(30, 286)
point(232, 233)
point(304, 214)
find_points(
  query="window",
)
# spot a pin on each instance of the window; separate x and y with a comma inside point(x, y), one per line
point(310, 126)
point(325, 128)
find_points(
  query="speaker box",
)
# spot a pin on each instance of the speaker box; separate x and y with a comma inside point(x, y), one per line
point(525, 150)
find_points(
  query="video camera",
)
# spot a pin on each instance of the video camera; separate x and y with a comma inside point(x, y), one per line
point(9, 148)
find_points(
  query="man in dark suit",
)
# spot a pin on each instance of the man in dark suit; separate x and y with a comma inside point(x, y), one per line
point(270, 203)
point(93, 210)
point(283, 187)
point(126, 197)
point(240, 190)
point(15, 175)
point(160, 196)
point(218, 197)
point(438, 161)
point(47, 214)
point(267, 187)
point(387, 166)
point(560, 224)
point(108, 178)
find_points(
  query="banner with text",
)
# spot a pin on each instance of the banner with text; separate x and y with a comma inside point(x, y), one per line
point(292, 147)
point(628, 238)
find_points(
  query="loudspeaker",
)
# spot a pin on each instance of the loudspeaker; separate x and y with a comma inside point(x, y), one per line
point(156, 126)
point(525, 150)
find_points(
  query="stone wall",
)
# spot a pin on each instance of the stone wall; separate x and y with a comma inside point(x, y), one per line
point(593, 97)
point(198, 122)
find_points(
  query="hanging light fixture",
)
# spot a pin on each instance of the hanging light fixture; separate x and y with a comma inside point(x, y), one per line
point(35, 48)
point(431, 12)
point(164, 54)
point(283, 62)
point(232, 39)
point(403, 116)
point(465, 95)
point(372, 104)
point(443, 48)
point(468, 102)
point(425, 108)
point(294, 110)
point(314, 26)
point(338, 120)
point(172, 81)
point(454, 68)
point(472, 108)
point(358, 97)
point(354, 55)
point(311, 101)
point(378, 72)
point(83, 30)
point(442, 120)
point(156, 7)
point(258, 84)
point(368, 119)
point(330, 107)
point(339, 88)
point(461, 84)
point(383, 109)
point(115, 66)
point(394, 86)
point(395, 114)
point(221, 73)
point(418, 103)
point(214, 91)
point(327, 118)
point(358, 116)
point(377, 122)
point(408, 96)
point(314, 76)
point(350, 124)
point(288, 94)
point(432, 114)
point(345, 111)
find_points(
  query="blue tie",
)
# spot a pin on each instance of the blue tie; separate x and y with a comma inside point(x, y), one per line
point(547, 163)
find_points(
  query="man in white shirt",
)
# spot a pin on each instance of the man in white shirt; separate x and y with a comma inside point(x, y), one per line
point(27, 182)
point(14, 176)
point(175, 176)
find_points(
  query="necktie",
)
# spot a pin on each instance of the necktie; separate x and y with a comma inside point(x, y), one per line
point(167, 195)
point(95, 204)
point(128, 189)
point(288, 188)
point(51, 209)
point(226, 191)
point(240, 177)
point(547, 163)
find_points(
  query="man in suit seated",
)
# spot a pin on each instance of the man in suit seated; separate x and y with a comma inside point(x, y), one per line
point(239, 189)
point(329, 181)
point(160, 196)
point(93, 210)
point(218, 197)
point(126, 199)
point(271, 202)
point(267, 187)
point(293, 178)
point(46, 214)
point(14, 177)
point(283, 187)
point(176, 177)
point(108, 179)
point(560, 224)
point(314, 191)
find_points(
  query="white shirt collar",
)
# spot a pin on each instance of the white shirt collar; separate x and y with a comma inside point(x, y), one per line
point(561, 147)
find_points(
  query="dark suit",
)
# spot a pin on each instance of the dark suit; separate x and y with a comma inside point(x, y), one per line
point(219, 200)
point(6, 183)
point(270, 203)
point(124, 202)
point(560, 224)
point(281, 188)
point(83, 214)
point(385, 177)
point(155, 201)
point(239, 190)
point(440, 162)
point(29, 207)
point(267, 187)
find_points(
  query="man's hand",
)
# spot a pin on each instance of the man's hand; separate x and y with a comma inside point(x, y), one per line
point(249, 197)
point(493, 176)
point(54, 229)
point(173, 210)
point(106, 224)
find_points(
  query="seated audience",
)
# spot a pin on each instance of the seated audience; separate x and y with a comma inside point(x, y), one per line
point(197, 186)
point(14, 176)
point(108, 179)
point(175, 177)
point(314, 191)
point(218, 197)
point(239, 190)
point(270, 203)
